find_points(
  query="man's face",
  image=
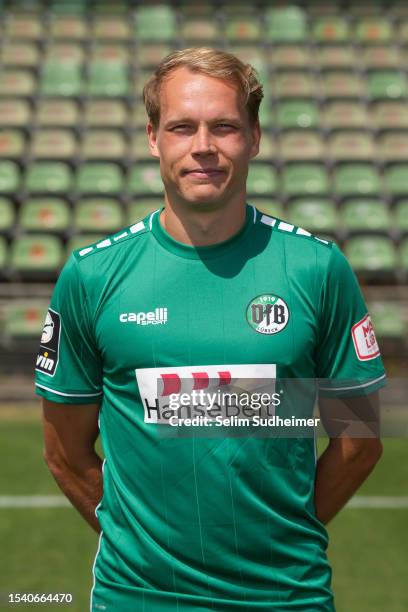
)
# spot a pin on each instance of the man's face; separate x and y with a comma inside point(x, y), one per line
point(204, 139)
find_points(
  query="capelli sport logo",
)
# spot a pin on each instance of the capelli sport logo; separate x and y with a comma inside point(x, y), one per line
point(267, 314)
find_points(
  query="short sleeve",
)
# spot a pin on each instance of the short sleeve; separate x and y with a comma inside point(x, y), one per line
point(348, 359)
point(68, 366)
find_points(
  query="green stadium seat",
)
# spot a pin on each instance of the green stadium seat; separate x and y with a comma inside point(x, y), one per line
point(388, 319)
point(336, 56)
point(301, 145)
point(103, 178)
point(265, 115)
point(297, 114)
point(306, 179)
point(103, 144)
point(365, 215)
point(393, 146)
point(343, 114)
point(293, 85)
point(53, 144)
point(267, 149)
point(373, 30)
point(342, 84)
point(371, 253)
point(351, 145)
point(138, 209)
point(60, 79)
point(16, 83)
point(390, 114)
point(3, 254)
point(111, 28)
point(386, 84)
point(286, 24)
point(139, 80)
point(65, 53)
point(145, 179)
point(250, 54)
point(79, 241)
point(242, 29)
point(111, 53)
point(290, 56)
point(381, 56)
point(200, 29)
point(9, 177)
point(24, 27)
point(107, 80)
point(25, 318)
point(48, 177)
point(262, 179)
point(12, 143)
point(7, 215)
point(269, 207)
point(105, 113)
point(403, 254)
point(58, 113)
point(356, 179)
point(155, 23)
point(313, 215)
point(41, 253)
point(401, 215)
point(20, 54)
point(396, 179)
point(68, 27)
point(98, 215)
point(45, 214)
point(331, 29)
point(139, 147)
point(14, 113)
point(148, 56)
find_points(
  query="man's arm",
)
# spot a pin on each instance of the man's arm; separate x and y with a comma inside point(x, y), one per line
point(353, 451)
point(70, 433)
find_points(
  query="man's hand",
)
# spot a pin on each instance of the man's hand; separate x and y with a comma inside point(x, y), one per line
point(347, 460)
point(70, 433)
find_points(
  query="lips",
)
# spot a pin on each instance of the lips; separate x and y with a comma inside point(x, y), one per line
point(204, 172)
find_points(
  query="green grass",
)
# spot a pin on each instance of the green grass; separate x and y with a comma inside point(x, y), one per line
point(52, 550)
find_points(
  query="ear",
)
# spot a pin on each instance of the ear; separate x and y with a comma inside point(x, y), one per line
point(152, 137)
point(256, 137)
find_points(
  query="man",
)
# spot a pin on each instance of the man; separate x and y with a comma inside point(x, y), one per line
point(207, 290)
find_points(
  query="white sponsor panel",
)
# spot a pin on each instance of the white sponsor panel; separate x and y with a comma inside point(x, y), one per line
point(365, 342)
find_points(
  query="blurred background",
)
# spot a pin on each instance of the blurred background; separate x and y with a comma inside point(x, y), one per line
point(75, 166)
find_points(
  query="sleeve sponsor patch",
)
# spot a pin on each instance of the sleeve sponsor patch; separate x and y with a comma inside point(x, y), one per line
point(47, 358)
point(365, 342)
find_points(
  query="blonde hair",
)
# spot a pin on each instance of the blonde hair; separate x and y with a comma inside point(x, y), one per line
point(212, 62)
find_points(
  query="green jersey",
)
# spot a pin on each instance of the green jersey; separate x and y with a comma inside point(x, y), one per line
point(206, 522)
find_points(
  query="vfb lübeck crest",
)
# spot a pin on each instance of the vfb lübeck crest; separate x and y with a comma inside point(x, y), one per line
point(267, 314)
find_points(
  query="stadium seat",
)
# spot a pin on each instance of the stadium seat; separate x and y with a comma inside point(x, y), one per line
point(401, 216)
point(242, 29)
point(65, 53)
point(307, 179)
point(155, 23)
point(365, 215)
point(12, 143)
point(98, 215)
point(56, 112)
point(60, 79)
point(23, 27)
point(403, 255)
point(268, 206)
point(103, 144)
point(331, 29)
point(111, 53)
point(105, 113)
point(68, 27)
point(111, 28)
point(42, 253)
point(390, 114)
point(351, 145)
point(313, 215)
point(139, 148)
point(148, 56)
point(20, 54)
point(45, 214)
point(293, 85)
point(3, 254)
point(396, 179)
point(267, 149)
point(103, 178)
point(286, 24)
point(107, 80)
point(200, 30)
point(297, 114)
point(371, 253)
point(9, 177)
point(48, 177)
point(336, 56)
point(342, 84)
point(344, 113)
point(289, 56)
point(53, 144)
point(381, 56)
point(388, 319)
point(373, 30)
point(138, 82)
point(145, 179)
point(7, 215)
point(79, 241)
point(16, 82)
point(14, 113)
point(386, 84)
point(250, 54)
point(297, 145)
point(25, 318)
point(265, 115)
point(262, 179)
point(393, 146)
point(138, 209)
point(356, 179)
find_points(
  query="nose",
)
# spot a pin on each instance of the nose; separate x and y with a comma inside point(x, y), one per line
point(202, 142)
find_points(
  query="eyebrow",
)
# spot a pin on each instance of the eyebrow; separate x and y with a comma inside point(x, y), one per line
point(177, 120)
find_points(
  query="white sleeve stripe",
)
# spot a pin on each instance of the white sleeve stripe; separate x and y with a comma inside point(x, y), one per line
point(69, 394)
point(367, 384)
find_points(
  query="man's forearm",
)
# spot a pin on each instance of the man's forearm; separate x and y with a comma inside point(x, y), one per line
point(340, 471)
point(82, 485)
